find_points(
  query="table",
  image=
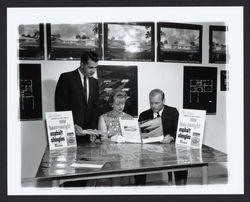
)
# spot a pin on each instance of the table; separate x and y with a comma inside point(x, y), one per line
point(125, 159)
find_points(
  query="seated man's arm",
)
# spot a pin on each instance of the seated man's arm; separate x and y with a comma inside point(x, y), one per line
point(170, 137)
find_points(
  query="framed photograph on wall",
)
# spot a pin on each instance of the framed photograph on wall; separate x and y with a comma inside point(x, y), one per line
point(31, 42)
point(30, 97)
point(224, 80)
point(129, 41)
point(200, 88)
point(179, 42)
point(112, 77)
point(218, 48)
point(69, 41)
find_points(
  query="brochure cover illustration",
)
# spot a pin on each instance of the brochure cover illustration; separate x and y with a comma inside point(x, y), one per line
point(151, 130)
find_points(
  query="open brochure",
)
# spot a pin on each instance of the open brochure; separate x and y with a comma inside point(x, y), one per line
point(151, 130)
point(130, 130)
point(146, 132)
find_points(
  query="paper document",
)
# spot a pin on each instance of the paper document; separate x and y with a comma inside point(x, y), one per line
point(191, 127)
point(88, 163)
point(60, 129)
point(130, 130)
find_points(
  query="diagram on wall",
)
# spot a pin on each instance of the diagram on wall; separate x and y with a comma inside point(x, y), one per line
point(31, 42)
point(200, 88)
point(124, 78)
point(129, 41)
point(218, 49)
point(30, 96)
point(179, 42)
point(69, 41)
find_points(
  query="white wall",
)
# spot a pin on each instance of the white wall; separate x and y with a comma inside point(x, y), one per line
point(167, 76)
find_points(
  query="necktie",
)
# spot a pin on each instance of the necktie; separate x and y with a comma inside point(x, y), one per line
point(85, 87)
point(158, 114)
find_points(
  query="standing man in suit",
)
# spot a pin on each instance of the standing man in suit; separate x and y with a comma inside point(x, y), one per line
point(169, 116)
point(78, 91)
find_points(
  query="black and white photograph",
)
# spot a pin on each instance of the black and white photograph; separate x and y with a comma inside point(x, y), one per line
point(113, 77)
point(68, 41)
point(129, 41)
point(224, 80)
point(218, 48)
point(179, 42)
point(200, 88)
point(30, 92)
point(106, 72)
point(31, 41)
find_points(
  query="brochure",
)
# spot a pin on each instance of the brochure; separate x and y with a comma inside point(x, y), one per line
point(151, 130)
point(130, 130)
point(191, 128)
point(60, 129)
point(145, 132)
point(88, 162)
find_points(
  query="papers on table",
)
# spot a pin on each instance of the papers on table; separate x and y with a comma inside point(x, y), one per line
point(88, 163)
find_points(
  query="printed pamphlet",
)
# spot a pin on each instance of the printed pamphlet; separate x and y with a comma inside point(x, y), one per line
point(190, 127)
point(60, 129)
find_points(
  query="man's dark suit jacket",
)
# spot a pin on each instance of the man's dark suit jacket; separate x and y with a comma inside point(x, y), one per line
point(169, 119)
point(69, 95)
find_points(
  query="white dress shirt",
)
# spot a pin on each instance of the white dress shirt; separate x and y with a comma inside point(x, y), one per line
point(160, 113)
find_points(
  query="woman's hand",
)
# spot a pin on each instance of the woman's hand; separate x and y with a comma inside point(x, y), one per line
point(106, 137)
point(92, 138)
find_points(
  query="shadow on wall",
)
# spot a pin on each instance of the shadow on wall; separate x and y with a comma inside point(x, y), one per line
point(48, 95)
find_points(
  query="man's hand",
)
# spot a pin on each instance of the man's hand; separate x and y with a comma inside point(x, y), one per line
point(167, 139)
point(78, 130)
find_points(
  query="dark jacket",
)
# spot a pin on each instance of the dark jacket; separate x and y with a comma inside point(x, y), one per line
point(69, 95)
point(169, 118)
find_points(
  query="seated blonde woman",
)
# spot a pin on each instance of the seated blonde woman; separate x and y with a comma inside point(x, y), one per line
point(109, 122)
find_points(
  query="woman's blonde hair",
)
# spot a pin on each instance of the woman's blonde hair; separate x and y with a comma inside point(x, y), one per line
point(117, 94)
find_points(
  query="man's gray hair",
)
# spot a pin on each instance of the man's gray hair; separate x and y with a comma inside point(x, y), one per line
point(156, 92)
